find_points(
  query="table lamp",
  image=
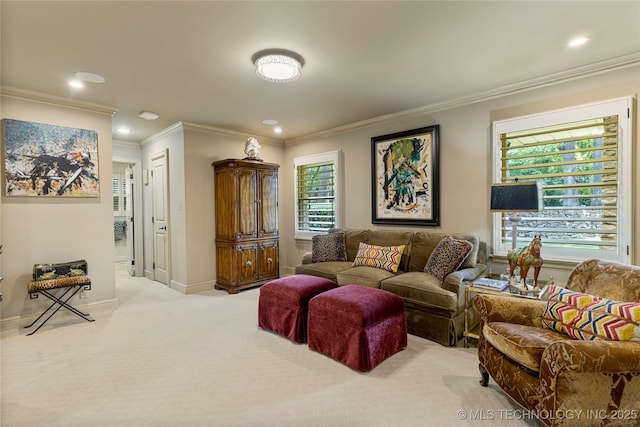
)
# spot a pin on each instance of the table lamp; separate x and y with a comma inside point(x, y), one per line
point(516, 197)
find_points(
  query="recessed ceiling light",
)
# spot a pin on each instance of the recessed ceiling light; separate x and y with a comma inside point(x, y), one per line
point(89, 77)
point(270, 122)
point(124, 131)
point(76, 84)
point(148, 115)
point(578, 41)
point(277, 130)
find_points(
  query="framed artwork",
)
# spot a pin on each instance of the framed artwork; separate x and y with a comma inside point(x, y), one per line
point(405, 177)
point(48, 160)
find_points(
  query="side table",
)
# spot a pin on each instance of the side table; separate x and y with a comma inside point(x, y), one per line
point(469, 288)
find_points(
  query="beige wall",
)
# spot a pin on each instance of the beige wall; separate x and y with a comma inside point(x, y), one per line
point(37, 229)
point(465, 160)
point(191, 150)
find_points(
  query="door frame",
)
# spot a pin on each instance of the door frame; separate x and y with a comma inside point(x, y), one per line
point(138, 236)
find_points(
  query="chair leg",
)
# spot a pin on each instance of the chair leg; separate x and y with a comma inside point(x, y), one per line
point(35, 295)
point(484, 376)
point(60, 304)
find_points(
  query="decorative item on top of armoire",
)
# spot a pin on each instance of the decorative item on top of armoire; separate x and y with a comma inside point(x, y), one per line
point(246, 212)
point(252, 149)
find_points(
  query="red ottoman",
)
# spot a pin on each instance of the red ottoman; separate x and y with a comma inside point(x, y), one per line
point(283, 304)
point(357, 325)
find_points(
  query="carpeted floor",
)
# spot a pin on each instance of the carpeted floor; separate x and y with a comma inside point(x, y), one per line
point(167, 359)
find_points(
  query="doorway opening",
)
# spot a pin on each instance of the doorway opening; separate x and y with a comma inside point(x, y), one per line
point(122, 211)
point(127, 232)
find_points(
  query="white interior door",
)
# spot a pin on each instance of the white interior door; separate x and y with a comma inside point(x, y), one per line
point(160, 218)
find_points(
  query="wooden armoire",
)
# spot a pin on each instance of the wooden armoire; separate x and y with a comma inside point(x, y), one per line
point(246, 206)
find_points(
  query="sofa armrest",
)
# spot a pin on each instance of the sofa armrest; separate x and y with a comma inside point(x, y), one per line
point(306, 258)
point(498, 308)
point(454, 282)
point(598, 375)
point(591, 356)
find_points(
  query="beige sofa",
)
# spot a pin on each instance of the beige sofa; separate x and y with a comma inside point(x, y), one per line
point(434, 310)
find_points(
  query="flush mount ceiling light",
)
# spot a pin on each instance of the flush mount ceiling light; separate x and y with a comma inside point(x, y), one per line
point(89, 77)
point(278, 65)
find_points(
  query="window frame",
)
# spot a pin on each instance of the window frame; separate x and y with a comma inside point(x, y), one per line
point(623, 108)
point(334, 157)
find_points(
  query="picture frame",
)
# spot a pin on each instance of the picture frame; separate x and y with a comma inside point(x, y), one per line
point(405, 178)
point(46, 160)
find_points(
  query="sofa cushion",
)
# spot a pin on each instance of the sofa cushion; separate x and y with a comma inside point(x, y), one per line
point(381, 237)
point(328, 270)
point(521, 343)
point(472, 259)
point(353, 237)
point(589, 317)
point(447, 257)
point(384, 257)
point(328, 247)
point(422, 289)
point(425, 242)
point(364, 276)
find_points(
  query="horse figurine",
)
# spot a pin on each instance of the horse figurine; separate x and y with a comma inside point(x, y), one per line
point(526, 258)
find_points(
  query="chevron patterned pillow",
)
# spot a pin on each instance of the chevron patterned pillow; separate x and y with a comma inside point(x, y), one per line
point(384, 257)
point(589, 317)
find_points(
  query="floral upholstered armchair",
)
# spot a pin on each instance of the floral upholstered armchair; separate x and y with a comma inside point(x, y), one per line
point(573, 360)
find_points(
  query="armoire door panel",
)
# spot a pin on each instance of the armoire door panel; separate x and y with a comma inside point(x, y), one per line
point(269, 204)
point(247, 192)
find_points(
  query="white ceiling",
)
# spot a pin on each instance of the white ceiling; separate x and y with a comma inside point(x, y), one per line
point(191, 61)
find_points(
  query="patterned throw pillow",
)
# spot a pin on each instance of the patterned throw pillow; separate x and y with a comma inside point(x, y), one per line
point(447, 257)
point(328, 247)
point(384, 257)
point(589, 317)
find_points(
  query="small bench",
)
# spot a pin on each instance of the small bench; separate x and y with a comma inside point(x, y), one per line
point(357, 325)
point(69, 277)
point(283, 302)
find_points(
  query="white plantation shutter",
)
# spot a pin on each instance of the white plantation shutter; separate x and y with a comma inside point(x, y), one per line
point(317, 190)
point(576, 154)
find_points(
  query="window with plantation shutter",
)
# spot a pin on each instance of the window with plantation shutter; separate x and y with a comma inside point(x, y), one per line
point(115, 186)
point(318, 207)
point(582, 158)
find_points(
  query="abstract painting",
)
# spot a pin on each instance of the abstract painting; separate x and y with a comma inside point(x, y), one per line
point(48, 160)
point(405, 177)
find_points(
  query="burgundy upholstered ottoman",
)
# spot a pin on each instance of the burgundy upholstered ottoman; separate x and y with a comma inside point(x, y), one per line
point(283, 304)
point(357, 325)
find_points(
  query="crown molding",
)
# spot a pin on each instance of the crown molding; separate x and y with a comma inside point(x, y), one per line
point(125, 144)
point(27, 95)
point(177, 126)
point(243, 135)
point(589, 70)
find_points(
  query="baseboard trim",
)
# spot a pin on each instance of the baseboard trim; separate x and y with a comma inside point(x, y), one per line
point(193, 288)
point(19, 322)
